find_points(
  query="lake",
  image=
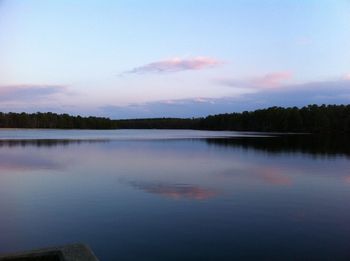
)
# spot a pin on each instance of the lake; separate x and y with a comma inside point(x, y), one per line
point(176, 194)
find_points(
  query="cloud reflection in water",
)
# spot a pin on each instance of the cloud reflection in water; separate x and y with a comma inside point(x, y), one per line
point(176, 191)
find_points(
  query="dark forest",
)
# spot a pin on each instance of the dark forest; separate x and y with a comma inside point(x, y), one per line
point(310, 119)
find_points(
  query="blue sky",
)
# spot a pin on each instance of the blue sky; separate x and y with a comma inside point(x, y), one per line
point(126, 59)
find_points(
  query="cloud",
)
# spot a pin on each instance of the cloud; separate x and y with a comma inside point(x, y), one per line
point(273, 89)
point(286, 95)
point(269, 80)
point(177, 65)
point(28, 92)
point(347, 77)
point(175, 191)
point(318, 92)
point(193, 107)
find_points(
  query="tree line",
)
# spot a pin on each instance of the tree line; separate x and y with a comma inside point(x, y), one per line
point(312, 119)
point(51, 120)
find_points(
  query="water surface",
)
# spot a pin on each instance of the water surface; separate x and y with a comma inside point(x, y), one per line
point(176, 195)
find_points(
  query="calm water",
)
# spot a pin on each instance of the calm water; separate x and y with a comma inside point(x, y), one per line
point(176, 195)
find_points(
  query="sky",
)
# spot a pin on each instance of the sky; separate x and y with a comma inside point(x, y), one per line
point(185, 58)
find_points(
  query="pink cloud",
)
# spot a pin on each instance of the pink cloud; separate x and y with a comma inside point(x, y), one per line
point(347, 77)
point(272, 80)
point(269, 80)
point(177, 64)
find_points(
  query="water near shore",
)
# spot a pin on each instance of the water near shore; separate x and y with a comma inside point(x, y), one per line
point(176, 195)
